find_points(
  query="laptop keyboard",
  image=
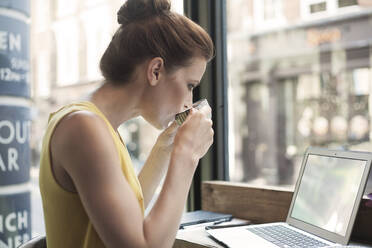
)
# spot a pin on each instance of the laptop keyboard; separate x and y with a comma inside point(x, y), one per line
point(285, 237)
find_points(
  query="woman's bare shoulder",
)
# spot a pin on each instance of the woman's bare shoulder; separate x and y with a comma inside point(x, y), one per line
point(80, 137)
point(80, 119)
point(77, 126)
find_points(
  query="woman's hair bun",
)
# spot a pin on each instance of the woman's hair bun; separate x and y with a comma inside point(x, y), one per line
point(133, 10)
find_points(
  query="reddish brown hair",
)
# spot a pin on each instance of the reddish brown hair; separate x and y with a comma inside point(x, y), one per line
point(148, 30)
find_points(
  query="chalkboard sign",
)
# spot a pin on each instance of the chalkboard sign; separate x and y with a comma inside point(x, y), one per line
point(14, 57)
point(14, 144)
point(15, 219)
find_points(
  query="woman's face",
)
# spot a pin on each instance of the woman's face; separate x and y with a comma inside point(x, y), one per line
point(173, 93)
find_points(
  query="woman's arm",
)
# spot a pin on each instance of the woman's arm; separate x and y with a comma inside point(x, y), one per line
point(157, 163)
point(85, 149)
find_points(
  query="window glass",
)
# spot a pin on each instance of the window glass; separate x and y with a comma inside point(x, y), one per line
point(95, 38)
point(67, 51)
point(65, 7)
point(299, 82)
point(43, 86)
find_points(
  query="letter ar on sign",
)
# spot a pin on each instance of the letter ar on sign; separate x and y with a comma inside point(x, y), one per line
point(9, 164)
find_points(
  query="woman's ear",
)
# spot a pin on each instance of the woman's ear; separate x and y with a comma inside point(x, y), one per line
point(154, 70)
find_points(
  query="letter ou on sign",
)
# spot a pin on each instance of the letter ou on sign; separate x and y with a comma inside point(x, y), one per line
point(14, 144)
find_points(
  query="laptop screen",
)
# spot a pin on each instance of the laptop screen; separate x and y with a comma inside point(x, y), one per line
point(327, 193)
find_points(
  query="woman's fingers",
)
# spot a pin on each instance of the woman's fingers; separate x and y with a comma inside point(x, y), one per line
point(207, 111)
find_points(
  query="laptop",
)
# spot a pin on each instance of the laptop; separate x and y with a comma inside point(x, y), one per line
point(323, 208)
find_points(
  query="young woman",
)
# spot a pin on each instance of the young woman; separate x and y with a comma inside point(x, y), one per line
point(91, 195)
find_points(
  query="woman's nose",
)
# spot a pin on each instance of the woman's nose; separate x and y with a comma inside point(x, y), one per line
point(188, 104)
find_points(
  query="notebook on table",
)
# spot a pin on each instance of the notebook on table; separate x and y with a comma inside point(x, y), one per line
point(201, 216)
point(323, 208)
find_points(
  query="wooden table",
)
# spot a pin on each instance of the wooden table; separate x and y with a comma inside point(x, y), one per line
point(260, 205)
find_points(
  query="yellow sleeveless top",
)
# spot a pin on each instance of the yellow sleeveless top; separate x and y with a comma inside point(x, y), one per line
point(66, 222)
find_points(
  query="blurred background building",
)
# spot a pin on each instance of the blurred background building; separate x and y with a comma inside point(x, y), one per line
point(299, 75)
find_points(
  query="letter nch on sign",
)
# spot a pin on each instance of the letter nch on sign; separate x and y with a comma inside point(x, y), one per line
point(17, 223)
point(15, 241)
point(14, 222)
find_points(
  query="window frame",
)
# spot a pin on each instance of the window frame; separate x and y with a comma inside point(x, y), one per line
point(211, 15)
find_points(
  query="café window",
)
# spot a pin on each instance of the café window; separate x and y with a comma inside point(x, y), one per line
point(305, 83)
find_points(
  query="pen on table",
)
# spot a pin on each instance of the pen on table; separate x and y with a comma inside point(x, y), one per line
point(203, 224)
point(221, 221)
point(246, 223)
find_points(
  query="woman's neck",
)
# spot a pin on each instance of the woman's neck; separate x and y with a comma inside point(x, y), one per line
point(117, 103)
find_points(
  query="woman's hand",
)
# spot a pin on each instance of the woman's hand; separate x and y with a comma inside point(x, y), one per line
point(166, 138)
point(195, 136)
